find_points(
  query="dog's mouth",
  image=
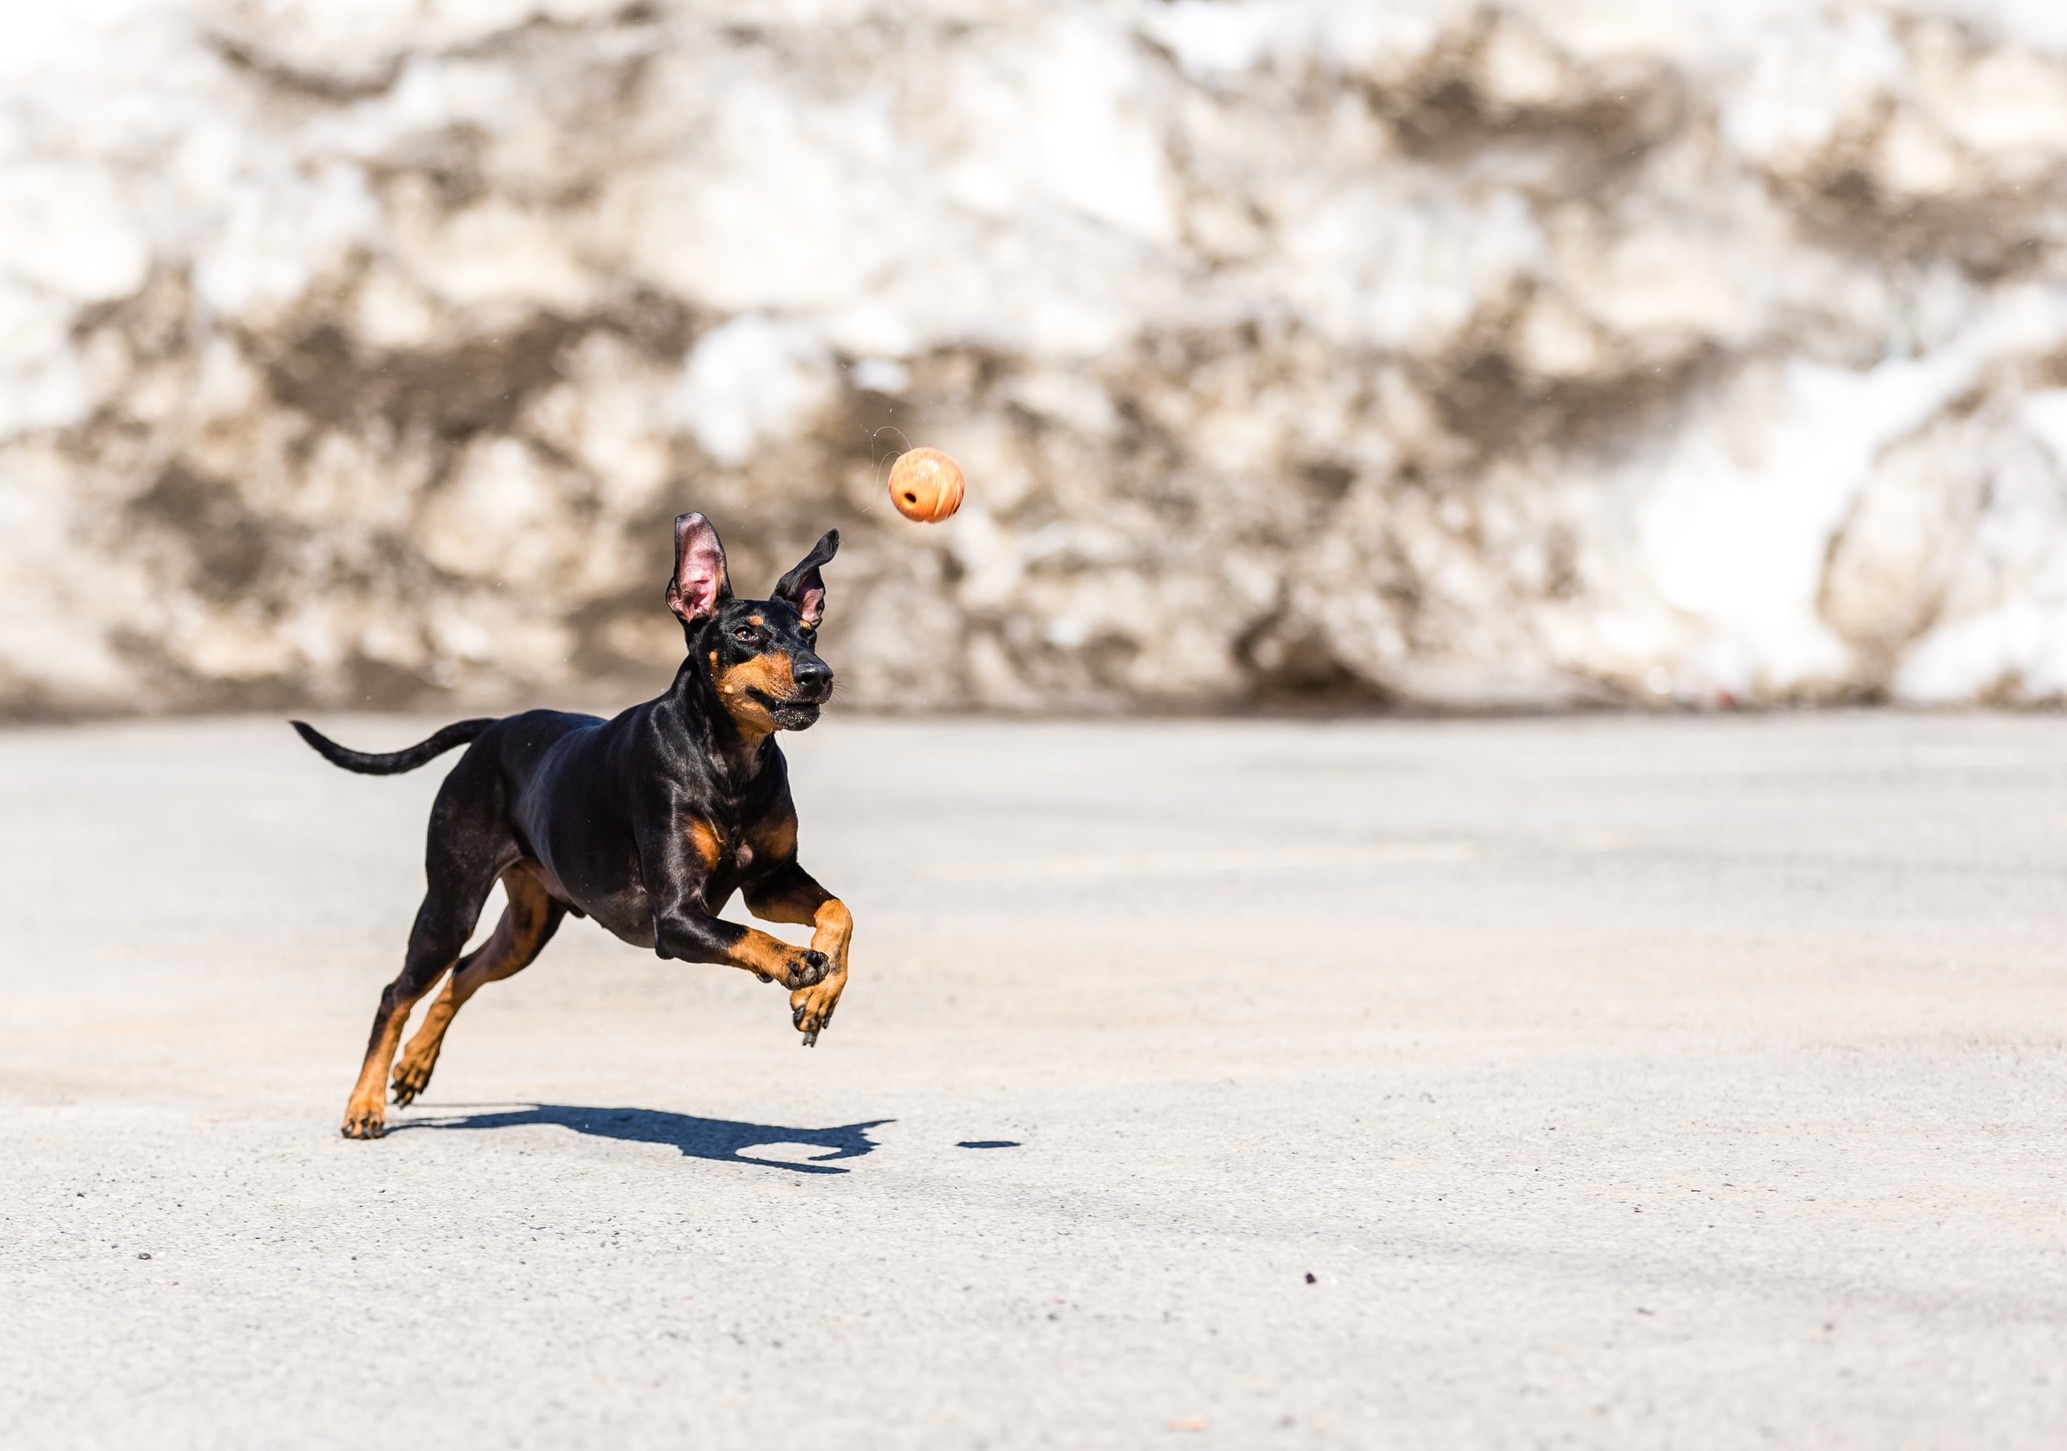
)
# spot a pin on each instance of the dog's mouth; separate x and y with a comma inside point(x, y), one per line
point(791, 714)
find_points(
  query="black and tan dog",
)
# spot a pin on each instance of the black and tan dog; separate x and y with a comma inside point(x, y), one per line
point(648, 822)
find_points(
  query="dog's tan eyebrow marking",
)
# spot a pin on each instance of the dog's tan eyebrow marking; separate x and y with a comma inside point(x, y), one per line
point(753, 619)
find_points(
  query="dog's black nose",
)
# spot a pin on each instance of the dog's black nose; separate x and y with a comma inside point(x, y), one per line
point(811, 673)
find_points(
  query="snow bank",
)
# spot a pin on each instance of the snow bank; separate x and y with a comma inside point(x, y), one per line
point(1604, 350)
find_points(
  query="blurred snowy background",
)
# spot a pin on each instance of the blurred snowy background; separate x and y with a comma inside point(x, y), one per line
point(1454, 354)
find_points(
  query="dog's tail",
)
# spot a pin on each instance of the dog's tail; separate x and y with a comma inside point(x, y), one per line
point(456, 734)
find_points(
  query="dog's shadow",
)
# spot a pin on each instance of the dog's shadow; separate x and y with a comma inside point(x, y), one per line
point(724, 1141)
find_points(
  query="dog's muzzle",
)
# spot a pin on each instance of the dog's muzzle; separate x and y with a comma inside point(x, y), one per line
point(813, 686)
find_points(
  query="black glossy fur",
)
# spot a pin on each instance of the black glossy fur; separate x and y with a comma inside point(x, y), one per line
point(647, 822)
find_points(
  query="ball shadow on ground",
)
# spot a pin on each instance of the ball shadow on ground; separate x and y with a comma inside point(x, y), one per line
point(721, 1140)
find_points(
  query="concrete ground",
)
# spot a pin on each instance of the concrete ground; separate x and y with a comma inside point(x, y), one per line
point(1596, 1082)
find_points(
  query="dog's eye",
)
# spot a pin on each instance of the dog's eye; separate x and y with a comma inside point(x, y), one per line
point(743, 633)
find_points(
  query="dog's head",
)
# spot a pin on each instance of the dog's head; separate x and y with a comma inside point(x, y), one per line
point(761, 654)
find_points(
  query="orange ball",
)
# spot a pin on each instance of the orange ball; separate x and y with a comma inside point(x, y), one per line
point(926, 485)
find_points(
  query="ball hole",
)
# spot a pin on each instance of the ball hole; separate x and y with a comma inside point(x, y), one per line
point(911, 498)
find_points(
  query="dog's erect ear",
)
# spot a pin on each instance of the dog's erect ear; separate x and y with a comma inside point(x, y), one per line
point(802, 586)
point(699, 583)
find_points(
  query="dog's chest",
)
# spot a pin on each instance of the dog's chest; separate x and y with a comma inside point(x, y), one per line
point(722, 847)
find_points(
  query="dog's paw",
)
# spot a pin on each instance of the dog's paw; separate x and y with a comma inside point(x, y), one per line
point(361, 1122)
point(410, 1079)
point(807, 969)
point(811, 1009)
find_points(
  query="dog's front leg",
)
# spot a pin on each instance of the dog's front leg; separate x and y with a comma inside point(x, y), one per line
point(790, 894)
point(688, 932)
point(675, 867)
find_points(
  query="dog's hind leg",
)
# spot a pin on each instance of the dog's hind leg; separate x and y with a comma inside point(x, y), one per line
point(469, 846)
point(527, 924)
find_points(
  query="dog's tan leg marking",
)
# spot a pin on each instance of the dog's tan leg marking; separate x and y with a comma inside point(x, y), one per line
point(515, 943)
point(791, 895)
point(768, 956)
point(812, 1008)
point(365, 1114)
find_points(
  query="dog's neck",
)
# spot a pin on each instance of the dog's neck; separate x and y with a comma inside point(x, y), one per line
point(739, 754)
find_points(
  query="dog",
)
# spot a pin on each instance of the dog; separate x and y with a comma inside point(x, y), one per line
point(647, 822)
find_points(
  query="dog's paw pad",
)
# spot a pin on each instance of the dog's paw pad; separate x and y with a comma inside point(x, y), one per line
point(808, 970)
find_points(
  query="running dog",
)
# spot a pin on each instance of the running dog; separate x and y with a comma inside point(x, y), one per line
point(647, 822)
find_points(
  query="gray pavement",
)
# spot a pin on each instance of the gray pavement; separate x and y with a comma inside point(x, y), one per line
point(1584, 1082)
